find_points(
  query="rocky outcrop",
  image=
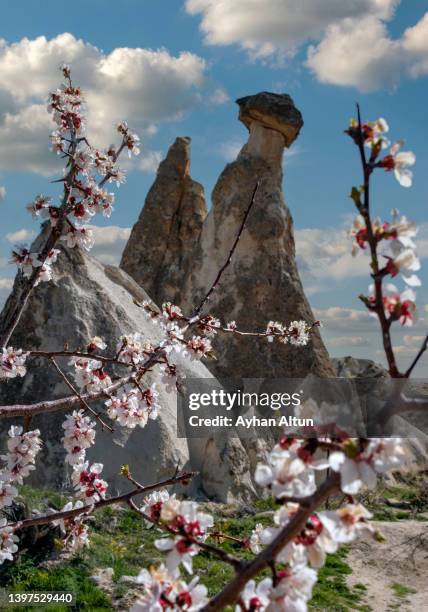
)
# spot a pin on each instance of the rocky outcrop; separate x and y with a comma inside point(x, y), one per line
point(168, 227)
point(262, 283)
point(86, 299)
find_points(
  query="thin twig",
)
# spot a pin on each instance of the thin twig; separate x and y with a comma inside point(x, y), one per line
point(373, 245)
point(236, 563)
point(83, 402)
point(140, 490)
point(415, 361)
point(229, 258)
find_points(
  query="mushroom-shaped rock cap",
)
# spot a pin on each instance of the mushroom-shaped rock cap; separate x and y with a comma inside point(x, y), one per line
point(274, 111)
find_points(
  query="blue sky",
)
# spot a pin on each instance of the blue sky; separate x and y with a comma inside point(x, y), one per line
point(373, 51)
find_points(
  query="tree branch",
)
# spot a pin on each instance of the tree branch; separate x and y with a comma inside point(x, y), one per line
point(230, 594)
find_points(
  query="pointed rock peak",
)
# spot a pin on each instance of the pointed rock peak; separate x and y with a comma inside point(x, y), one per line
point(274, 111)
point(168, 226)
point(178, 158)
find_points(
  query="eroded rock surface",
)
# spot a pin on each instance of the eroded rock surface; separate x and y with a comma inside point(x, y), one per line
point(88, 298)
point(262, 283)
point(168, 227)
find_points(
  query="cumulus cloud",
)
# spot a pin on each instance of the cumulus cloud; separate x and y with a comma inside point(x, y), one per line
point(150, 161)
point(2, 193)
point(361, 53)
point(345, 319)
point(6, 283)
point(326, 254)
point(143, 86)
point(109, 243)
point(350, 41)
point(348, 342)
point(21, 235)
point(266, 27)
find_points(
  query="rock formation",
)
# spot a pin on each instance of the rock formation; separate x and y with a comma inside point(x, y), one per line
point(168, 227)
point(262, 283)
point(86, 299)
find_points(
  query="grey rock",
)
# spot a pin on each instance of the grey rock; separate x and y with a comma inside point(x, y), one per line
point(273, 111)
point(86, 299)
point(262, 283)
point(168, 227)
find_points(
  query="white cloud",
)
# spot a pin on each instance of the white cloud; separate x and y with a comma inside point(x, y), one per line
point(361, 53)
point(143, 86)
point(21, 235)
point(345, 319)
point(350, 46)
point(150, 161)
point(219, 96)
point(2, 193)
point(109, 243)
point(348, 342)
point(326, 254)
point(6, 283)
point(229, 150)
point(267, 27)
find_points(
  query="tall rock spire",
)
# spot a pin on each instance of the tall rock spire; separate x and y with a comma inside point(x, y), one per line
point(176, 248)
point(168, 227)
point(262, 283)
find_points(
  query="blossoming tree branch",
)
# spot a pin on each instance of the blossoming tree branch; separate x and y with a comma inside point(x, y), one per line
point(296, 544)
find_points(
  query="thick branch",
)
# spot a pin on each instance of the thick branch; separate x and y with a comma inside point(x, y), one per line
point(230, 594)
point(125, 497)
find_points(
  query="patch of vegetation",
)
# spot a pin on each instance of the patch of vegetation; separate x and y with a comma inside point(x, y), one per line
point(120, 540)
point(401, 591)
point(332, 593)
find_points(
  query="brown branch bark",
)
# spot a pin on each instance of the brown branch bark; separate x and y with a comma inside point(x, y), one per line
point(125, 497)
point(231, 592)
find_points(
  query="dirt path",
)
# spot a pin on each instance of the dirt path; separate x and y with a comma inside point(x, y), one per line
point(395, 572)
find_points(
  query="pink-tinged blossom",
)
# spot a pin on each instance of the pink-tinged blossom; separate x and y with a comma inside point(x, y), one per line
point(7, 491)
point(82, 237)
point(163, 589)
point(398, 161)
point(293, 589)
point(79, 435)
point(197, 347)
point(89, 487)
point(298, 333)
point(405, 263)
point(133, 407)
point(312, 543)
point(255, 596)
point(8, 542)
point(286, 474)
point(346, 524)
point(358, 466)
point(400, 306)
point(90, 374)
point(96, 344)
point(153, 503)
point(12, 363)
point(180, 551)
point(22, 450)
point(373, 132)
point(131, 348)
point(73, 528)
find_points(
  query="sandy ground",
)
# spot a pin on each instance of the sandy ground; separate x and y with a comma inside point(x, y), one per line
point(402, 559)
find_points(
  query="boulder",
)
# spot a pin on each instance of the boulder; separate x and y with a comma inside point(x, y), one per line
point(89, 299)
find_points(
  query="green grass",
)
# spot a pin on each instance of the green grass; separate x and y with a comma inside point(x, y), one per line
point(121, 540)
point(401, 591)
point(331, 593)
